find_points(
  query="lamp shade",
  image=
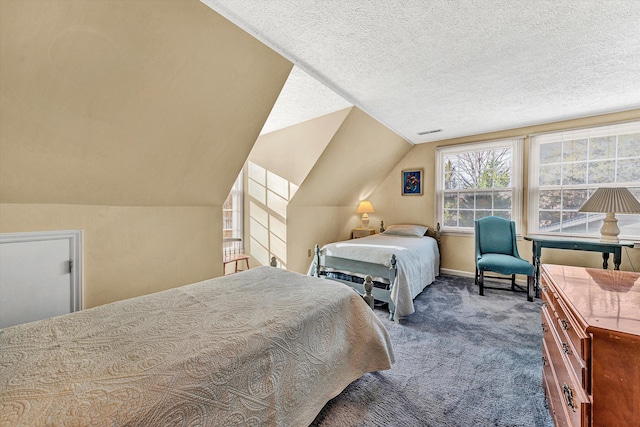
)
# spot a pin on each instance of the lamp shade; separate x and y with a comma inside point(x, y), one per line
point(615, 200)
point(365, 207)
point(611, 201)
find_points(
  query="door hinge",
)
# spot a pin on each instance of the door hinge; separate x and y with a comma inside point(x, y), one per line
point(70, 266)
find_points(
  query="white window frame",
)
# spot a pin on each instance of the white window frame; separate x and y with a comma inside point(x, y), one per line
point(516, 144)
point(237, 210)
point(616, 129)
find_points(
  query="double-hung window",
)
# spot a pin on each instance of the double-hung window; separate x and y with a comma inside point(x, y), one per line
point(568, 166)
point(478, 180)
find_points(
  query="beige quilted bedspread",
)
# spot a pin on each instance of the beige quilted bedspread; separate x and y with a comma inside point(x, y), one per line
point(262, 347)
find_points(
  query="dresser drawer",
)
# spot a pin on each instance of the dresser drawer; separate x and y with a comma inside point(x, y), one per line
point(575, 343)
point(547, 295)
point(571, 405)
point(549, 378)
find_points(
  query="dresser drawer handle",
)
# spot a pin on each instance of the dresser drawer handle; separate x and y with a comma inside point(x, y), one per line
point(565, 348)
point(568, 397)
point(545, 304)
point(544, 327)
point(565, 324)
point(544, 288)
point(544, 361)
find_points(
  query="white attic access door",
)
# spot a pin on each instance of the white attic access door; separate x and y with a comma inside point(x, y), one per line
point(40, 275)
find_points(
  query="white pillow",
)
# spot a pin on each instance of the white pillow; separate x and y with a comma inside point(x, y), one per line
point(406, 230)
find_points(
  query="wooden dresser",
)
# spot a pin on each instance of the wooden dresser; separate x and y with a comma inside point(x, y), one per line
point(591, 345)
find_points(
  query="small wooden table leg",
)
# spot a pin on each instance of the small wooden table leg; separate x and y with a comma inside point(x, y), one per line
point(617, 258)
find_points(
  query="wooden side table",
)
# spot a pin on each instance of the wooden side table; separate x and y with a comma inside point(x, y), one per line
point(576, 244)
point(356, 233)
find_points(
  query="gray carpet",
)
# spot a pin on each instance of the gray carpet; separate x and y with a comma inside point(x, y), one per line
point(461, 360)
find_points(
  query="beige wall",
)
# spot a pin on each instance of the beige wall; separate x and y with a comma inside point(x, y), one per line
point(129, 120)
point(130, 251)
point(292, 152)
point(458, 251)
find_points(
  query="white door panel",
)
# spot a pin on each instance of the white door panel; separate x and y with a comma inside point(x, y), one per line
point(35, 277)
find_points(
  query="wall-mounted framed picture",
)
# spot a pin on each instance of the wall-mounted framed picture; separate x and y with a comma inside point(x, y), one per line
point(412, 182)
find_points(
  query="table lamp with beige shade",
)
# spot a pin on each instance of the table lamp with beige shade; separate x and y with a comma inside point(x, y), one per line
point(611, 200)
point(365, 208)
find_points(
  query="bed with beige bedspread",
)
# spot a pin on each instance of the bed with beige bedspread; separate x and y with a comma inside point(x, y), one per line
point(261, 347)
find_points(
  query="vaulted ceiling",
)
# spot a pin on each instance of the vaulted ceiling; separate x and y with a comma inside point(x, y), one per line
point(465, 67)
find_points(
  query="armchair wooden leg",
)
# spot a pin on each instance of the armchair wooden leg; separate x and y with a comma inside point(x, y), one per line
point(481, 282)
point(530, 287)
point(513, 282)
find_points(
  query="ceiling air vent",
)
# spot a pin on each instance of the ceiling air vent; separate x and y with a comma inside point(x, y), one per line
point(426, 132)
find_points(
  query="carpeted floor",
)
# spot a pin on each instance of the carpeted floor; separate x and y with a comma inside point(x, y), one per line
point(461, 360)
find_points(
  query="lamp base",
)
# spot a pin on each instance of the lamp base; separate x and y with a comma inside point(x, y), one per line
point(365, 220)
point(609, 230)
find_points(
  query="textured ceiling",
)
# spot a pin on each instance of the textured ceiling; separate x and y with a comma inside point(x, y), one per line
point(466, 67)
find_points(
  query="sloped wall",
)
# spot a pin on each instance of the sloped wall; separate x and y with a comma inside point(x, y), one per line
point(130, 120)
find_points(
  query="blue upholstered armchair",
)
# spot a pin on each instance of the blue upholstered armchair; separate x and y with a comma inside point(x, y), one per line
point(496, 251)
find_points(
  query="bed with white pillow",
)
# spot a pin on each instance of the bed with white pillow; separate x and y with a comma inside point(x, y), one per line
point(402, 261)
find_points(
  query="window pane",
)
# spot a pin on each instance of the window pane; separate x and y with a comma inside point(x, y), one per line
point(629, 170)
point(550, 153)
point(228, 203)
point(573, 199)
point(628, 145)
point(573, 222)
point(486, 178)
point(484, 201)
point(450, 218)
point(594, 222)
point(573, 151)
point(629, 225)
point(550, 175)
point(550, 199)
point(602, 148)
point(482, 214)
point(502, 200)
point(502, 167)
point(449, 175)
point(549, 221)
point(227, 219)
point(451, 201)
point(466, 219)
point(575, 173)
point(602, 172)
point(503, 214)
point(466, 201)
